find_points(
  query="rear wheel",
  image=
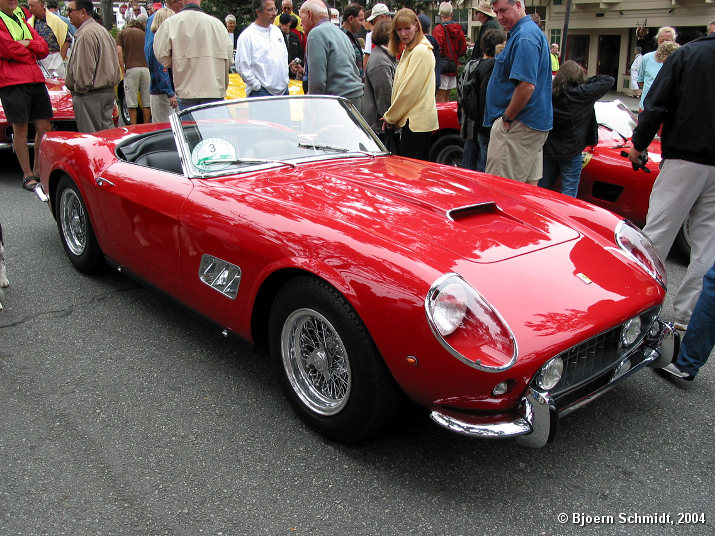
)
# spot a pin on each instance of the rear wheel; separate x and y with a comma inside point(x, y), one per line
point(330, 369)
point(682, 241)
point(447, 149)
point(76, 229)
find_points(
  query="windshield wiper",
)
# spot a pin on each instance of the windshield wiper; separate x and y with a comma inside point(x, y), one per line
point(231, 161)
point(324, 147)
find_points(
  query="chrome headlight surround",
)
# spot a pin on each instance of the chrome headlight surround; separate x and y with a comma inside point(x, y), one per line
point(468, 327)
point(640, 249)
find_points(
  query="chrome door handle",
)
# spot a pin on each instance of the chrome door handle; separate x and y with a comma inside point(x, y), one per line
point(101, 182)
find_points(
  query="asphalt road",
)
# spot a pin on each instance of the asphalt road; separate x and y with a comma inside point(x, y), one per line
point(124, 413)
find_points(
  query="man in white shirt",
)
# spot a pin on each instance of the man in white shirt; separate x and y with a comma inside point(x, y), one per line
point(261, 54)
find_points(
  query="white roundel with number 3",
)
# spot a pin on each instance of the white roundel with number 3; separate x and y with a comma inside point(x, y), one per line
point(213, 154)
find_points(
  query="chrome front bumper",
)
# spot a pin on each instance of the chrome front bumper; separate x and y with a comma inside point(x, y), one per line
point(536, 420)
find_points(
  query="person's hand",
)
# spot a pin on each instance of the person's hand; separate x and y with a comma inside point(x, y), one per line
point(634, 155)
point(25, 42)
point(173, 102)
point(297, 69)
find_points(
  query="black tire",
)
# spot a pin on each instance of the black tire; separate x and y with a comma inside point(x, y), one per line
point(122, 104)
point(447, 149)
point(336, 381)
point(75, 227)
point(682, 241)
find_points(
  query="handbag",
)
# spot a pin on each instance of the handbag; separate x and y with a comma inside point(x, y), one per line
point(447, 64)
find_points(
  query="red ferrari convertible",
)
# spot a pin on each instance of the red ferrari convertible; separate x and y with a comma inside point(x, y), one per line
point(607, 179)
point(496, 306)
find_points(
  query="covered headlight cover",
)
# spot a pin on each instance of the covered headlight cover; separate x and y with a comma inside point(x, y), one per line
point(638, 247)
point(468, 326)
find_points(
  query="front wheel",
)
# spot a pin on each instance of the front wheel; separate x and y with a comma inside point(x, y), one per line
point(330, 369)
point(75, 228)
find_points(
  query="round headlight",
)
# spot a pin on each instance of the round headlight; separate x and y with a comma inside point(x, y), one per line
point(550, 373)
point(449, 308)
point(631, 331)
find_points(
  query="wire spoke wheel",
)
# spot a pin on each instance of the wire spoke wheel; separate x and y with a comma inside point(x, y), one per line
point(316, 362)
point(73, 220)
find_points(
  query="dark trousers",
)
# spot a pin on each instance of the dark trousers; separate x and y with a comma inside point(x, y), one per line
point(414, 144)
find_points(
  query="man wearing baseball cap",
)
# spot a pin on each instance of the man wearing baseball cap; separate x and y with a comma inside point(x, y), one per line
point(377, 13)
point(484, 14)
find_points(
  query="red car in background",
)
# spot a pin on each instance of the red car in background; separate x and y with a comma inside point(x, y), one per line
point(63, 113)
point(608, 179)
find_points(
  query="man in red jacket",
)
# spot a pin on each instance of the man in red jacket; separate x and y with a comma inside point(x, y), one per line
point(22, 85)
point(452, 45)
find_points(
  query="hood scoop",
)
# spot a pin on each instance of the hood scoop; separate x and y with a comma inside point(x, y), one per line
point(478, 209)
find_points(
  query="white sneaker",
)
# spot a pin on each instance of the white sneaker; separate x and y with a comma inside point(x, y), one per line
point(675, 371)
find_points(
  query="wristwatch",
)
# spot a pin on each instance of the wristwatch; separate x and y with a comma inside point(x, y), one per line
point(506, 118)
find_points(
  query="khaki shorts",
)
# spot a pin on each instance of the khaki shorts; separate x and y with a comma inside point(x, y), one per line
point(516, 154)
point(136, 82)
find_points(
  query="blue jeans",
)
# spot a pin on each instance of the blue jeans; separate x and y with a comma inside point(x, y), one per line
point(188, 103)
point(263, 92)
point(483, 146)
point(700, 336)
point(469, 156)
point(570, 169)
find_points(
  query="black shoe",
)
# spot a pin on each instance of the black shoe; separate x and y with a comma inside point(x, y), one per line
point(675, 371)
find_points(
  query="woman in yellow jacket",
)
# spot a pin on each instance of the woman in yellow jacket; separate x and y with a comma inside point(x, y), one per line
point(413, 107)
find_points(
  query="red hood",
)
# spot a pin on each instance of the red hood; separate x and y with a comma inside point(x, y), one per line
point(401, 199)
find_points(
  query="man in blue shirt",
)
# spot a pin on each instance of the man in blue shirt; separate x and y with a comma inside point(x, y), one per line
point(518, 106)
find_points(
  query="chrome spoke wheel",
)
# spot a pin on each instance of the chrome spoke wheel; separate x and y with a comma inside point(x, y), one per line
point(316, 362)
point(73, 220)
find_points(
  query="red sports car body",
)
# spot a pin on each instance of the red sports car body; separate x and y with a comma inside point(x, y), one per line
point(497, 306)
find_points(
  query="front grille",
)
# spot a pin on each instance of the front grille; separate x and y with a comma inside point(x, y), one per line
point(588, 366)
point(589, 359)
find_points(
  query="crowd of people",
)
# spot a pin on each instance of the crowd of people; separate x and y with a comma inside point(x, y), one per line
point(524, 115)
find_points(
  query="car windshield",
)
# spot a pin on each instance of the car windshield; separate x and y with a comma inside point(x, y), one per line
point(616, 116)
point(224, 137)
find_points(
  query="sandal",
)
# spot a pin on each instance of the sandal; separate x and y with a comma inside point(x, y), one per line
point(30, 182)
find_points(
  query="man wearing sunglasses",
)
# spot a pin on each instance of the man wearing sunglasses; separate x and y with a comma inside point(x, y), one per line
point(287, 7)
point(92, 70)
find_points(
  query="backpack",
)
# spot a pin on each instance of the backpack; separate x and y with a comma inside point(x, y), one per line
point(469, 83)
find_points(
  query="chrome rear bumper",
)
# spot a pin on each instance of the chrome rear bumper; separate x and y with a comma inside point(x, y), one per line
point(40, 193)
point(536, 420)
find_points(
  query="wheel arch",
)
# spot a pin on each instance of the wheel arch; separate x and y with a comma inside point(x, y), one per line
point(272, 285)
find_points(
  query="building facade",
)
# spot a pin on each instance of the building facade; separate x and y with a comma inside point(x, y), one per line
point(602, 34)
